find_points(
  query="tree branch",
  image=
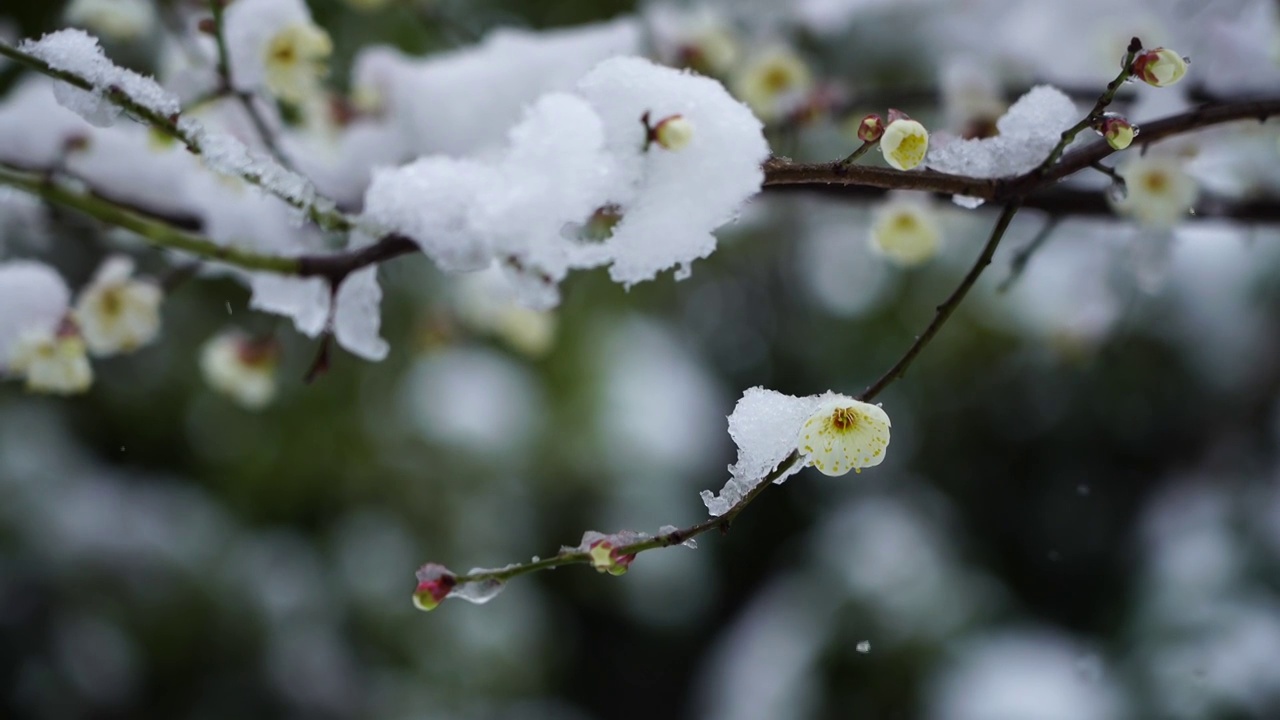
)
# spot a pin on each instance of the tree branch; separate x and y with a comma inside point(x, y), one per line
point(948, 307)
point(227, 87)
point(662, 540)
point(190, 135)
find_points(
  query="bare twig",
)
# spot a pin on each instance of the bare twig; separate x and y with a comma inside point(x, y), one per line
point(662, 540)
point(944, 311)
point(1019, 262)
point(227, 87)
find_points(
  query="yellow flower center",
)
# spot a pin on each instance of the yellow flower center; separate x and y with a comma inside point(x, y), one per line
point(776, 79)
point(911, 147)
point(844, 419)
point(1155, 182)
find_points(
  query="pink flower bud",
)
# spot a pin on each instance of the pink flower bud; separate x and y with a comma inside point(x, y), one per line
point(435, 582)
point(871, 128)
point(605, 558)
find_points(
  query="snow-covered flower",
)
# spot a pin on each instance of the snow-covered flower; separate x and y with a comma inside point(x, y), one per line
point(274, 44)
point(33, 302)
point(832, 432)
point(117, 313)
point(844, 434)
point(53, 362)
point(1159, 192)
point(774, 83)
point(1118, 131)
point(905, 142)
point(114, 19)
point(906, 231)
point(673, 132)
point(435, 582)
point(1160, 67)
point(241, 367)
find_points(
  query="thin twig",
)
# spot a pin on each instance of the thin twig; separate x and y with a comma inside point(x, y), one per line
point(227, 87)
point(318, 211)
point(662, 540)
point(944, 311)
point(1019, 262)
point(853, 157)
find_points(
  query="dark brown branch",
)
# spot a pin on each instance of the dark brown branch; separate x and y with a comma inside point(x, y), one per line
point(780, 171)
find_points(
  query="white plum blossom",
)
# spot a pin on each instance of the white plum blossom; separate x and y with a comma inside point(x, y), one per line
point(832, 432)
point(773, 83)
point(274, 44)
point(906, 231)
point(53, 362)
point(699, 38)
point(904, 143)
point(120, 20)
point(1159, 191)
point(241, 367)
point(117, 313)
point(845, 434)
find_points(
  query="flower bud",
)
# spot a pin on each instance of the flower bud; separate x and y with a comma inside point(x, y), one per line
point(871, 128)
point(905, 142)
point(605, 557)
point(1160, 67)
point(672, 132)
point(1118, 131)
point(435, 582)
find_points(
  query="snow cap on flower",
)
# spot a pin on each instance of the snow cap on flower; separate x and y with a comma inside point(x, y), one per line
point(33, 301)
point(1118, 131)
point(276, 45)
point(241, 367)
point(906, 231)
point(774, 83)
point(53, 362)
point(769, 428)
point(117, 313)
point(1159, 192)
point(905, 141)
point(844, 434)
point(435, 582)
point(871, 128)
point(672, 132)
point(1160, 67)
point(113, 19)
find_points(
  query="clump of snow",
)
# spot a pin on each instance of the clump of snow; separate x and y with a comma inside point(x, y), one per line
point(575, 154)
point(77, 52)
point(435, 100)
point(33, 300)
point(1027, 133)
point(765, 425)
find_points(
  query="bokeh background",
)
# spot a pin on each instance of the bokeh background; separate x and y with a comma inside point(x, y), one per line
point(1079, 516)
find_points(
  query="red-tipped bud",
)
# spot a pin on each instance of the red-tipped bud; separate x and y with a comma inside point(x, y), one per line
point(871, 128)
point(1160, 67)
point(1118, 131)
point(605, 558)
point(435, 582)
